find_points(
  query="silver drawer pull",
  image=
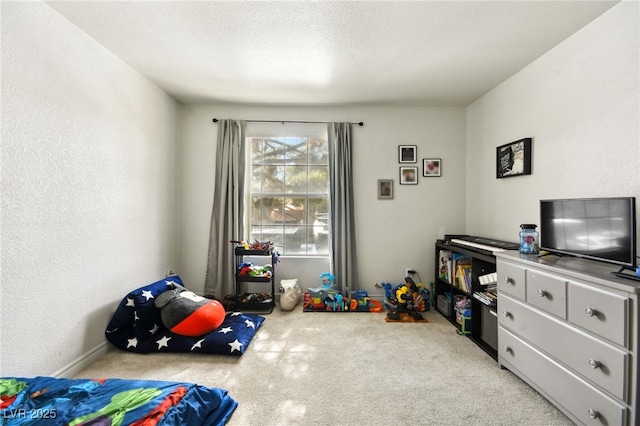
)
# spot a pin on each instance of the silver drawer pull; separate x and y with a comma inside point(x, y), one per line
point(506, 348)
point(594, 414)
point(508, 280)
point(594, 363)
point(542, 293)
point(590, 312)
point(506, 314)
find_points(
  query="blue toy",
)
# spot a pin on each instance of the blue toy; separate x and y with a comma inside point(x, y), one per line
point(328, 298)
point(327, 288)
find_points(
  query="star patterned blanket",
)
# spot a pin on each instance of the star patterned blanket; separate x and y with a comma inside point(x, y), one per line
point(137, 326)
point(52, 401)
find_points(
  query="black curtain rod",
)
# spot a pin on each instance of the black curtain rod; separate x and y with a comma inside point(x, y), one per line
point(215, 120)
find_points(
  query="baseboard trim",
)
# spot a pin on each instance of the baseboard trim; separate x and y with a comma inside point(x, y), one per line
point(83, 361)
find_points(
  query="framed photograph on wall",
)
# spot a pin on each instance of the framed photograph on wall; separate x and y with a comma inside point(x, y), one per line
point(385, 189)
point(513, 159)
point(408, 175)
point(407, 153)
point(431, 167)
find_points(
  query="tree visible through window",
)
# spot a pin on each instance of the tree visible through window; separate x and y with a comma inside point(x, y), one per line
point(289, 202)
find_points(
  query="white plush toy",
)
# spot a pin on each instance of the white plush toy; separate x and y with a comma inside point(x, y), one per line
point(290, 293)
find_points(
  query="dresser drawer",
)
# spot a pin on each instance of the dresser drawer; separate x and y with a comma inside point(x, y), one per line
point(547, 292)
point(601, 312)
point(565, 388)
point(595, 360)
point(511, 279)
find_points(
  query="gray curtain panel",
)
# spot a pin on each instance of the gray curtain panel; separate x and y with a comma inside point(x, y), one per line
point(227, 217)
point(344, 256)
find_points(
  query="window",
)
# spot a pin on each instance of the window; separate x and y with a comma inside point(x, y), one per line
point(289, 195)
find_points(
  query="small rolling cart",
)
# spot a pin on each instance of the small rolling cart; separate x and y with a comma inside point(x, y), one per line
point(247, 298)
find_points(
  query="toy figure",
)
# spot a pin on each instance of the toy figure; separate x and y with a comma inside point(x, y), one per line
point(334, 302)
point(327, 288)
point(327, 279)
point(405, 298)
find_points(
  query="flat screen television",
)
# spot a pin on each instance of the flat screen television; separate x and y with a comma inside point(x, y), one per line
point(595, 228)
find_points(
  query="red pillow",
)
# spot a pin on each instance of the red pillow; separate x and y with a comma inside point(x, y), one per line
point(185, 313)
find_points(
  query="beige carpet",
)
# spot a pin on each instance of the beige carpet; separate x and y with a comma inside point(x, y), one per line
point(354, 368)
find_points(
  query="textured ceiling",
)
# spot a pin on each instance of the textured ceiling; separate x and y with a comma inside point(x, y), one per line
point(443, 53)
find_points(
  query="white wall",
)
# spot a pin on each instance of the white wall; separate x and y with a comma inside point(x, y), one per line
point(88, 189)
point(579, 103)
point(392, 234)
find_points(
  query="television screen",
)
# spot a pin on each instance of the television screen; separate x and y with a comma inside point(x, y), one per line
point(596, 228)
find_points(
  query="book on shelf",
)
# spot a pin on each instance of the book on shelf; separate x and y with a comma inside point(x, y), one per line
point(462, 272)
point(489, 293)
point(486, 297)
point(445, 265)
point(464, 277)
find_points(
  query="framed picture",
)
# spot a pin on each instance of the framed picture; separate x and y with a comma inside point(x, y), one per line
point(385, 189)
point(408, 175)
point(513, 159)
point(431, 167)
point(407, 154)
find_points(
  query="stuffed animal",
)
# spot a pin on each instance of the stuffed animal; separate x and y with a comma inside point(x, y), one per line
point(185, 313)
point(290, 293)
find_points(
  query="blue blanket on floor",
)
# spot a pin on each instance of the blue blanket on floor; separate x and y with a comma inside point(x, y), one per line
point(55, 401)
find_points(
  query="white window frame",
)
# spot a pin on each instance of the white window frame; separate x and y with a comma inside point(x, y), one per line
point(280, 130)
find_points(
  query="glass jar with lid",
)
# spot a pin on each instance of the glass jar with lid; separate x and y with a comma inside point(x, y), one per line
point(529, 239)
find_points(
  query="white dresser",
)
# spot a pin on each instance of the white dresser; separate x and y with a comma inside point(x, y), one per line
point(569, 328)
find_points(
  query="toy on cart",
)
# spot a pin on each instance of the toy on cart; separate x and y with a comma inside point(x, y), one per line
point(247, 269)
point(407, 297)
point(255, 245)
point(261, 246)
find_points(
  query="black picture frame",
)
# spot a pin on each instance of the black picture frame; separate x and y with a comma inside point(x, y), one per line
point(408, 175)
point(514, 159)
point(431, 167)
point(407, 154)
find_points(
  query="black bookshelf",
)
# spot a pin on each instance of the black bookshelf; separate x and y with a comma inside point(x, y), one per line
point(481, 322)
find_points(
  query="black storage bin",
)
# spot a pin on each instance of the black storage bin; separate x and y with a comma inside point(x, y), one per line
point(489, 325)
